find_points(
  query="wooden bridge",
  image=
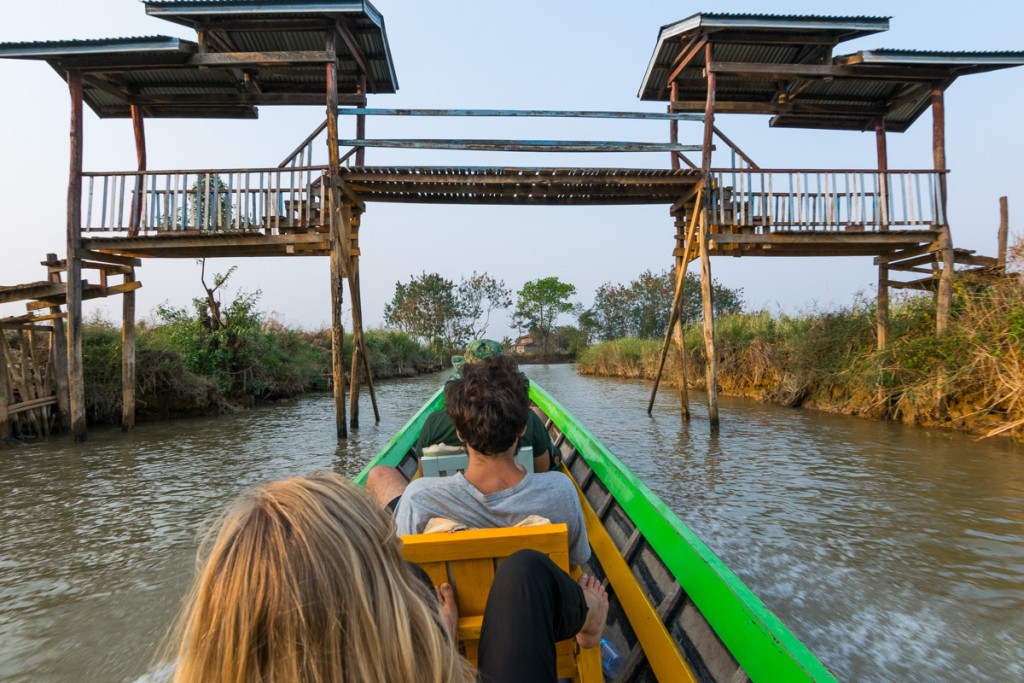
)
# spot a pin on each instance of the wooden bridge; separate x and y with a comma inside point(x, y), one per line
point(271, 53)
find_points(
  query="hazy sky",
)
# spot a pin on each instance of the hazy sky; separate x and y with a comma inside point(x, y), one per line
point(524, 55)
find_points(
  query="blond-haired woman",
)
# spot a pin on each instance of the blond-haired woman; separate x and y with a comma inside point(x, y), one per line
point(305, 581)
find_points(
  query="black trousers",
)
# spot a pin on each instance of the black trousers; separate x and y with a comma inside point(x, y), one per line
point(532, 605)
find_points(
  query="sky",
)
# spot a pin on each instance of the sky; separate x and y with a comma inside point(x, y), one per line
point(569, 54)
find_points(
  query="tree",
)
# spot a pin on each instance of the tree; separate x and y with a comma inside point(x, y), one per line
point(641, 308)
point(540, 304)
point(443, 314)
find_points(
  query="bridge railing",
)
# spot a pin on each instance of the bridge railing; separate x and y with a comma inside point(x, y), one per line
point(267, 200)
point(852, 200)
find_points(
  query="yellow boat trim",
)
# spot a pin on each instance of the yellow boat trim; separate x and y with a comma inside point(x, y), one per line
point(662, 653)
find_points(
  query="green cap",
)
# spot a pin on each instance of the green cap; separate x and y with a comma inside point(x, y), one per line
point(457, 363)
point(482, 349)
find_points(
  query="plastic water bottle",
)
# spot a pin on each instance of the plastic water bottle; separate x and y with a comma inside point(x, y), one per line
point(611, 660)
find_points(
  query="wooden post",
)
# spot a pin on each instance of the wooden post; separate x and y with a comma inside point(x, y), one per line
point(677, 331)
point(348, 227)
point(1004, 231)
point(711, 370)
point(128, 356)
point(945, 289)
point(361, 130)
point(337, 244)
point(673, 130)
point(76, 381)
point(883, 271)
point(5, 391)
point(140, 153)
point(60, 355)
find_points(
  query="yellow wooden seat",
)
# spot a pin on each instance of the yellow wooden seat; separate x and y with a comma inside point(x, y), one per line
point(467, 560)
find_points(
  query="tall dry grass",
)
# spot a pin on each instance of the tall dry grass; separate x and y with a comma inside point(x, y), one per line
point(971, 378)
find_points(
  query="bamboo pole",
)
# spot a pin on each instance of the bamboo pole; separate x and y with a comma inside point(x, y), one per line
point(1004, 231)
point(882, 322)
point(945, 289)
point(339, 255)
point(128, 356)
point(76, 381)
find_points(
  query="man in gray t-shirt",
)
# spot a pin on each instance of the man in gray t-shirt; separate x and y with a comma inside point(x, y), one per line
point(489, 406)
point(548, 494)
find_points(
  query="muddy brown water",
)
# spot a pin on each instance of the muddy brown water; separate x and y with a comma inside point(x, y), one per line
point(894, 553)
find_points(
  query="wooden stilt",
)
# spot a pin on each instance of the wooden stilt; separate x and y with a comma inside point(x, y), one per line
point(360, 354)
point(1004, 231)
point(128, 357)
point(348, 228)
point(140, 153)
point(677, 303)
point(5, 391)
point(677, 329)
point(882, 322)
point(60, 355)
point(339, 251)
point(76, 381)
point(945, 289)
point(673, 126)
point(711, 369)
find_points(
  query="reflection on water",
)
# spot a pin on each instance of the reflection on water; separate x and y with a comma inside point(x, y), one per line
point(894, 553)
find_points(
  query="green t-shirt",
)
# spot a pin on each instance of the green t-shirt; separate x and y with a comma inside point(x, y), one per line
point(438, 428)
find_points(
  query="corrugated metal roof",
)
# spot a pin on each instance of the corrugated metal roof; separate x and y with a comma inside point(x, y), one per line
point(167, 76)
point(783, 65)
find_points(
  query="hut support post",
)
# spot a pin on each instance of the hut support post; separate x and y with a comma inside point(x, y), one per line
point(945, 289)
point(673, 127)
point(76, 382)
point(5, 391)
point(682, 244)
point(361, 129)
point(360, 354)
point(128, 356)
point(711, 370)
point(140, 153)
point(60, 354)
point(883, 271)
point(1004, 231)
point(338, 245)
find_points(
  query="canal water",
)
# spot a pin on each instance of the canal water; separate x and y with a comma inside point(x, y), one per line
point(894, 553)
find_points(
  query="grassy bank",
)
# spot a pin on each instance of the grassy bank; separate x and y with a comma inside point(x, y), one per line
point(184, 369)
point(972, 378)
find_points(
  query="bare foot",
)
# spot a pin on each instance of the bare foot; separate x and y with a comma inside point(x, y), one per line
point(597, 612)
point(448, 608)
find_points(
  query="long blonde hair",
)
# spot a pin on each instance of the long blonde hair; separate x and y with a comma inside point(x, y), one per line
point(305, 581)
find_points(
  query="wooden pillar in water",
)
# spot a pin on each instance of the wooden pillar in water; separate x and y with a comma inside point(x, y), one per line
point(76, 382)
point(711, 370)
point(337, 244)
point(128, 356)
point(350, 229)
point(673, 134)
point(1004, 231)
point(60, 355)
point(945, 290)
point(361, 129)
point(5, 391)
point(677, 329)
point(883, 270)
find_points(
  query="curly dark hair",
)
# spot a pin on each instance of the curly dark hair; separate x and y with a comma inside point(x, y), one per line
point(489, 404)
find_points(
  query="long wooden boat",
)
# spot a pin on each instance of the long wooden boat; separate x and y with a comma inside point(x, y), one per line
point(676, 612)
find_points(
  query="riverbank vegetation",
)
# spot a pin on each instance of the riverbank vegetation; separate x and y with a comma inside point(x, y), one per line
point(205, 359)
point(971, 378)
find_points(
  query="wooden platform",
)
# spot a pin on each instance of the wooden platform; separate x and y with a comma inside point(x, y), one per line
point(818, 242)
point(523, 186)
point(195, 244)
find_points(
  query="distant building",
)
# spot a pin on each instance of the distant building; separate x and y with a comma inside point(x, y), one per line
point(525, 344)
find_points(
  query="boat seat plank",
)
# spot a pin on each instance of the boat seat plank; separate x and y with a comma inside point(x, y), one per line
point(470, 557)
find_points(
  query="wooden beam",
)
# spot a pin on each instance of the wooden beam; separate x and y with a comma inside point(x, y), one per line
point(25, 327)
point(944, 293)
point(732, 145)
point(345, 33)
point(694, 51)
point(235, 60)
point(520, 145)
point(90, 292)
point(107, 258)
point(230, 96)
point(140, 153)
point(73, 296)
point(337, 245)
point(882, 304)
point(728, 107)
point(128, 357)
point(891, 238)
point(760, 70)
point(711, 368)
point(1004, 230)
point(5, 393)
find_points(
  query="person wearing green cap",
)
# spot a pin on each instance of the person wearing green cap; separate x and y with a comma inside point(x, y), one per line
point(387, 483)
